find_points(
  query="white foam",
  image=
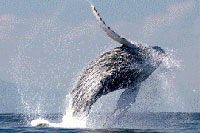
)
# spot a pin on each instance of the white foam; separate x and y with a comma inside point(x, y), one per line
point(39, 121)
point(68, 120)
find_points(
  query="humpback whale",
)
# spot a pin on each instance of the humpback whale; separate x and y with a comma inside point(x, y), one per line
point(123, 67)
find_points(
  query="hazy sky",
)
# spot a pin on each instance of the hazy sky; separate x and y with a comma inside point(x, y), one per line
point(44, 45)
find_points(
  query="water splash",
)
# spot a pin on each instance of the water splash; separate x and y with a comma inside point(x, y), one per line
point(170, 93)
point(170, 60)
point(159, 93)
point(25, 64)
point(68, 120)
point(41, 76)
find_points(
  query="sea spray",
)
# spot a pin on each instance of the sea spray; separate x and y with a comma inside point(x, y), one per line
point(68, 120)
point(159, 93)
point(71, 121)
point(170, 93)
point(41, 67)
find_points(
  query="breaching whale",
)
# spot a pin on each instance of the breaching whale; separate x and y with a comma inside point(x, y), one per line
point(124, 67)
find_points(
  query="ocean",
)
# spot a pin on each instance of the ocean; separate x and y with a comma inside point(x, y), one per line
point(131, 122)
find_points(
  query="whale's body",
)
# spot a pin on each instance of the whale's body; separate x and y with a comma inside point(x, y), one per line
point(123, 67)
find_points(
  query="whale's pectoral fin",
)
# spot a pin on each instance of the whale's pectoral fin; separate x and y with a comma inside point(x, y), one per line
point(127, 98)
point(112, 34)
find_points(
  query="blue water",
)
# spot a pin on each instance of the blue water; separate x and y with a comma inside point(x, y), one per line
point(131, 122)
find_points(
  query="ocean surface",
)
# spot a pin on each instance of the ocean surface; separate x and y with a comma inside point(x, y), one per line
point(131, 122)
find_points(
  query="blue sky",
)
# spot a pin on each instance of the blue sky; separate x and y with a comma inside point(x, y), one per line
point(45, 45)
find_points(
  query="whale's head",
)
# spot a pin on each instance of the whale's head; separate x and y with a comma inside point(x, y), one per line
point(158, 50)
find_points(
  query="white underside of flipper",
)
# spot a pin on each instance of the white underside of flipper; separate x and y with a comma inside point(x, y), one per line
point(112, 34)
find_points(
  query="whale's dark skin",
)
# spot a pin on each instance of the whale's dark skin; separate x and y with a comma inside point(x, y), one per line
point(120, 68)
point(123, 67)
